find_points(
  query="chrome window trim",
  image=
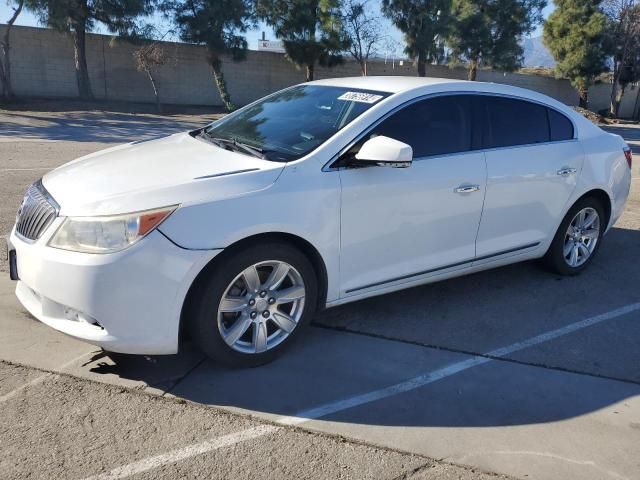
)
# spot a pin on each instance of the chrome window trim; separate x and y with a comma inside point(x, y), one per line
point(328, 167)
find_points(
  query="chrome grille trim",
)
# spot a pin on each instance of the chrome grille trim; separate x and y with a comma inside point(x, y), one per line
point(37, 212)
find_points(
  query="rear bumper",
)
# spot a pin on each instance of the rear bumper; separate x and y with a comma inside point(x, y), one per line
point(128, 302)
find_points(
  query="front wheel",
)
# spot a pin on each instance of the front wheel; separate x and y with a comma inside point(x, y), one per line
point(578, 238)
point(253, 304)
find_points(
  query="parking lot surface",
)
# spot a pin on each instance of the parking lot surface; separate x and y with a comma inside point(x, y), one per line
point(514, 371)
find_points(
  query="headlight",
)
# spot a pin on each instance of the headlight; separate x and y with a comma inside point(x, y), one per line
point(109, 233)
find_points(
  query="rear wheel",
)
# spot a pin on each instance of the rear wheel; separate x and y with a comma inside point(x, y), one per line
point(578, 238)
point(254, 304)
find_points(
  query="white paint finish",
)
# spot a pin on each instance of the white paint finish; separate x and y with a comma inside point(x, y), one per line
point(161, 172)
point(605, 168)
point(385, 149)
point(136, 294)
point(369, 225)
point(184, 453)
point(397, 222)
point(526, 197)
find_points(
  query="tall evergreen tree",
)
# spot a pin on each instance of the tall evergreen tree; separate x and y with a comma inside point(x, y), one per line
point(425, 25)
point(79, 16)
point(310, 30)
point(575, 34)
point(488, 32)
point(219, 25)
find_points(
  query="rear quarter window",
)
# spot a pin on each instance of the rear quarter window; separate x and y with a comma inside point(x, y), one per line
point(560, 127)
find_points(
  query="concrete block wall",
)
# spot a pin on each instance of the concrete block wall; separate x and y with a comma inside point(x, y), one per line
point(600, 99)
point(43, 65)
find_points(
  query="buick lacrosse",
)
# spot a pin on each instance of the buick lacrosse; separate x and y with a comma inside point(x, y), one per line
point(235, 234)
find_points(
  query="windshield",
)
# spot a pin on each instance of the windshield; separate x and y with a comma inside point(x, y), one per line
point(289, 124)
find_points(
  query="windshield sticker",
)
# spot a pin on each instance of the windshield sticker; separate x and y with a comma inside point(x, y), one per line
point(360, 97)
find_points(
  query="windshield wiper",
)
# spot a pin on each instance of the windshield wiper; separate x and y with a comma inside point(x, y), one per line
point(224, 142)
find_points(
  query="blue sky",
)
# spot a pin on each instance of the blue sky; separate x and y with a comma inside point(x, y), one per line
point(28, 19)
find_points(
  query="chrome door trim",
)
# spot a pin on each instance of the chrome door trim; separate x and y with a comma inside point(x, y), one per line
point(329, 168)
point(444, 267)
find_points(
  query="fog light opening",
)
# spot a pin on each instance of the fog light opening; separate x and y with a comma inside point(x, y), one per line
point(77, 316)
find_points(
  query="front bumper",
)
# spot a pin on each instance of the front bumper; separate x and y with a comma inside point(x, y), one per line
point(128, 302)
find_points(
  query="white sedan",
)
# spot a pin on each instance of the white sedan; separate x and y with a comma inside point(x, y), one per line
point(317, 195)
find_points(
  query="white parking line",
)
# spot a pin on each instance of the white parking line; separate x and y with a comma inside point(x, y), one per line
point(35, 381)
point(39, 379)
point(186, 452)
point(341, 405)
point(427, 378)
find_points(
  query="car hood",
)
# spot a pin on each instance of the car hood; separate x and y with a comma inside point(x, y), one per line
point(178, 169)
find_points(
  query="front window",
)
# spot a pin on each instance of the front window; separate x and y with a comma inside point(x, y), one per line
point(289, 124)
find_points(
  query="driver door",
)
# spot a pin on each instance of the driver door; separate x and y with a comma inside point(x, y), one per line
point(400, 225)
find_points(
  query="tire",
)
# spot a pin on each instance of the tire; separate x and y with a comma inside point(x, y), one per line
point(267, 335)
point(555, 258)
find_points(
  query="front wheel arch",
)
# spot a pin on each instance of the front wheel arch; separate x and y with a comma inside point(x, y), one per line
point(279, 237)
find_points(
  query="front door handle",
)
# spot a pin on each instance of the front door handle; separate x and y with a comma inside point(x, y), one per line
point(566, 171)
point(467, 188)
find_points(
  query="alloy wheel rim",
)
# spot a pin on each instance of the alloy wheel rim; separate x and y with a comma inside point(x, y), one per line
point(581, 237)
point(261, 307)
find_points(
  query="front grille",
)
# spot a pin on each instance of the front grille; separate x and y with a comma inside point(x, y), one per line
point(36, 213)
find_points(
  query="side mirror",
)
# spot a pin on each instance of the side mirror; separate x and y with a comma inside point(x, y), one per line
point(385, 152)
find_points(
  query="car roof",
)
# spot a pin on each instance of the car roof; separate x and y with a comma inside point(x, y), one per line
point(390, 84)
point(423, 85)
point(409, 86)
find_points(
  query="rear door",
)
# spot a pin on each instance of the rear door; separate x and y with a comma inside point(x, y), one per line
point(533, 163)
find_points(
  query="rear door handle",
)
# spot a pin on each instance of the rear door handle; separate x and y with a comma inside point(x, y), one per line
point(566, 171)
point(467, 188)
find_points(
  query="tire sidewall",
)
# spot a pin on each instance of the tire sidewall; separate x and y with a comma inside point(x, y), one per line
point(204, 323)
point(555, 255)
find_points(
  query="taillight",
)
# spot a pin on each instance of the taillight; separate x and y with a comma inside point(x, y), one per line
point(628, 155)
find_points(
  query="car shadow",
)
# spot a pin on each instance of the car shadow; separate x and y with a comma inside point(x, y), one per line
point(371, 345)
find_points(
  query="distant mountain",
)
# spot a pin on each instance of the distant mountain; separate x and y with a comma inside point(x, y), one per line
point(536, 54)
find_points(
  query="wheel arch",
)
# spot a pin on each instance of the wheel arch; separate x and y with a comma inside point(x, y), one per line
point(300, 243)
point(603, 197)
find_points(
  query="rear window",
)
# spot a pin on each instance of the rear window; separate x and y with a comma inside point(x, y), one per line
point(560, 126)
point(514, 122)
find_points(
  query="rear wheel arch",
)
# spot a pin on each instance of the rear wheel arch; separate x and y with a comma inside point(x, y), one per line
point(299, 243)
point(604, 199)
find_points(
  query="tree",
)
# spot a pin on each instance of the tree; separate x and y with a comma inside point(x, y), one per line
point(575, 34)
point(624, 31)
point(488, 32)
point(149, 58)
point(5, 47)
point(80, 16)
point(424, 25)
point(362, 29)
point(217, 24)
point(310, 30)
